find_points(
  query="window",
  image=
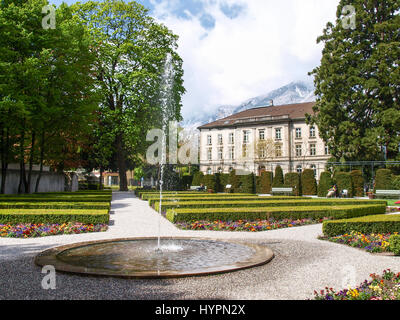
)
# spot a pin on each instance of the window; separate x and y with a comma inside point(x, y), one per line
point(231, 153)
point(312, 132)
point(278, 134)
point(278, 150)
point(230, 169)
point(298, 150)
point(220, 139)
point(314, 168)
point(220, 170)
point(209, 154)
point(299, 169)
point(245, 151)
point(209, 171)
point(313, 149)
point(298, 133)
point(326, 150)
point(220, 153)
point(262, 153)
point(262, 134)
point(231, 138)
point(246, 136)
point(209, 140)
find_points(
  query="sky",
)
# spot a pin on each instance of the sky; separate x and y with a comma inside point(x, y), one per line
point(233, 50)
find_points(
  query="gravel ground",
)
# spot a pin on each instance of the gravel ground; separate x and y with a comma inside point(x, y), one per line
point(301, 265)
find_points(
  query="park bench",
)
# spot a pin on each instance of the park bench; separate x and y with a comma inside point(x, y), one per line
point(282, 190)
point(395, 193)
point(197, 187)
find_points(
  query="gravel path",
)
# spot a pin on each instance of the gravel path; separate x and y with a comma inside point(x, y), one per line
point(301, 265)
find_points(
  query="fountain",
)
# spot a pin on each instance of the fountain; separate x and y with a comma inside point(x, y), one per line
point(156, 257)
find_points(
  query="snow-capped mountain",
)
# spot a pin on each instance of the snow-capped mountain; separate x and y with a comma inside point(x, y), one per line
point(294, 92)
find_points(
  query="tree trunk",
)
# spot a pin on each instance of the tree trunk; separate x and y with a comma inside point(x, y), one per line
point(101, 178)
point(5, 145)
point(41, 162)
point(123, 181)
point(22, 173)
point(31, 157)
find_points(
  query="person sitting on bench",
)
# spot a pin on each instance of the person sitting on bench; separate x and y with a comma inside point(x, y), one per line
point(332, 192)
point(201, 188)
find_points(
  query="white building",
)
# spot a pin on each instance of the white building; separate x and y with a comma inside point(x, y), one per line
point(259, 139)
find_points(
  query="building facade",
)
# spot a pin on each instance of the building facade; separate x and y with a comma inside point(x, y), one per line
point(260, 139)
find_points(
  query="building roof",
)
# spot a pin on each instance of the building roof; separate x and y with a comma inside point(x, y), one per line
point(263, 114)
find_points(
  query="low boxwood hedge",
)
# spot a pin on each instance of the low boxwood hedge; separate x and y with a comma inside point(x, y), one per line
point(365, 225)
point(262, 203)
point(35, 216)
point(55, 205)
point(217, 199)
point(233, 214)
point(30, 198)
point(194, 195)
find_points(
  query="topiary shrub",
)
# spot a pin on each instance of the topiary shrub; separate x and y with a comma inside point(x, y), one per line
point(308, 182)
point(394, 244)
point(343, 182)
point(264, 182)
point(210, 181)
point(383, 180)
point(223, 181)
point(325, 183)
point(234, 181)
point(278, 178)
point(292, 180)
point(357, 181)
point(247, 183)
point(186, 181)
point(396, 182)
point(197, 178)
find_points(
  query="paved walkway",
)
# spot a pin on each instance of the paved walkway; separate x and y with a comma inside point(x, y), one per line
point(301, 265)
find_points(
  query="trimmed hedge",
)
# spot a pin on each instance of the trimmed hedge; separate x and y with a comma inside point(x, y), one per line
point(54, 205)
point(264, 182)
point(197, 178)
point(383, 180)
point(394, 244)
point(325, 183)
point(55, 199)
point(365, 225)
point(233, 214)
point(292, 180)
point(308, 183)
point(210, 182)
point(234, 181)
point(36, 216)
point(247, 183)
point(357, 181)
point(278, 178)
point(264, 203)
point(343, 182)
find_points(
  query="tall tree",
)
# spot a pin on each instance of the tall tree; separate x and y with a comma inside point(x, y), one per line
point(131, 49)
point(358, 82)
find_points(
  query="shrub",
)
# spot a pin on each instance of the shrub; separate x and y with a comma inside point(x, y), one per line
point(264, 182)
point(343, 182)
point(54, 205)
point(325, 183)
point(233, 180)
point(247, 183)
point(36, 216)
point(292, 180)
point(197, 178)
point(357, 181)
point(396, 182)
point(233, 214)
point(394, 244)
point(372, 224)
point(223, 181)
point(383, 180)
point(308, 182)
point(210, 181)
point(278, 178)
point(186, 181)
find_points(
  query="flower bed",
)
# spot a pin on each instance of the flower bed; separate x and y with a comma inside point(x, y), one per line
point(28, 230)
point(369, 242)
point(385, 287)
point(246, 225)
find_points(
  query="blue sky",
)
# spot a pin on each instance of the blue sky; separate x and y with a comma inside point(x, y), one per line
point(238, 49)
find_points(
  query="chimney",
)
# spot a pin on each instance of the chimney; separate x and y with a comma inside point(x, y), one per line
point(271, 103)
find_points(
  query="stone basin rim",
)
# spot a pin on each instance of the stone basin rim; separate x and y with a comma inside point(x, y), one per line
point(263, 255)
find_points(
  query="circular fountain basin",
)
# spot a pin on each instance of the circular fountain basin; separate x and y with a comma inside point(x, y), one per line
point(139, 257)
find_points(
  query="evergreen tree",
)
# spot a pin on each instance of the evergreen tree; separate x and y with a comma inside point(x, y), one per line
point(358, 82)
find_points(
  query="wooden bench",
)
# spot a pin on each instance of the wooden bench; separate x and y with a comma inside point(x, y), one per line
point(282, 190)
point(196, 187)
point(395, 193)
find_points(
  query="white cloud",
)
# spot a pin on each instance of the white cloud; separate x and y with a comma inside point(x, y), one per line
point(266, 46)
